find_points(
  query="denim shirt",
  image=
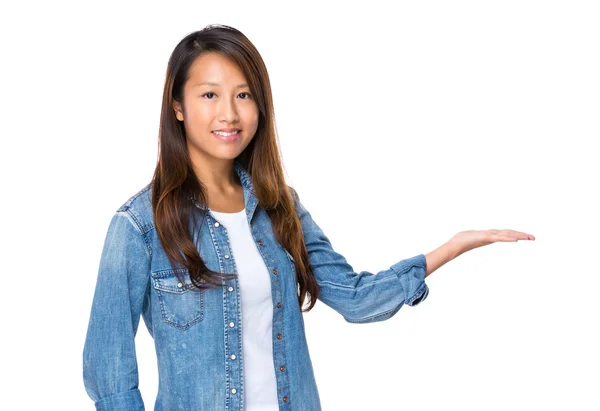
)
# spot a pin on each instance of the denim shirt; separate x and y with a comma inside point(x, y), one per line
point(198, 335)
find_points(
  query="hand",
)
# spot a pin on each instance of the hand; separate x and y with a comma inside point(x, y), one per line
point(470, 239)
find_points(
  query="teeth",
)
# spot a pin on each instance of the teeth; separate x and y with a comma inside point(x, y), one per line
point(226, 134)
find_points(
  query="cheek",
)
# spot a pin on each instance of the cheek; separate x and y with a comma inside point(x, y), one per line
point(251, 117)
point(198, 117)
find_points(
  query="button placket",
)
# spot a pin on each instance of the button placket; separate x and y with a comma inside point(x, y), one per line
point(279, 336)
point(230, 289)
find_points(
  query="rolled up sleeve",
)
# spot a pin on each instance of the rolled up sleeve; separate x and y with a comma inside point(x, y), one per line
point(110, 372)
point(360, 297)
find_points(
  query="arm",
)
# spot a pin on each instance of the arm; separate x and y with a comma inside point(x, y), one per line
point(360, 297)
point(440, 256)
point(109, 360)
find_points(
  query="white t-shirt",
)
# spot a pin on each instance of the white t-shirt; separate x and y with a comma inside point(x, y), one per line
point(260, 386)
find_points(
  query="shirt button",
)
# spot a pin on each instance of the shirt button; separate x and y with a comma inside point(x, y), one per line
point(217, 224)
point(232, 324)
point(233, 390)
point(278, 305)
point(226, 255)
point(230, 289)
point(275, 271)
point(282, 368)
point(279, 336)
point(285, 399)
point(179, 285)
point(260, 243)
point(232, 356)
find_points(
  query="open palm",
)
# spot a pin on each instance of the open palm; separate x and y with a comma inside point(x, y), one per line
point(470, 239)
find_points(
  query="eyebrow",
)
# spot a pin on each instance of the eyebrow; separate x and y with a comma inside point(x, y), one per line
point(209, 83)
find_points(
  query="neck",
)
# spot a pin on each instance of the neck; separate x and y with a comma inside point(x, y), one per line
point(219, 177)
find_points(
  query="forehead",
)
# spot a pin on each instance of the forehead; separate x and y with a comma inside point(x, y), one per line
point(215, 68)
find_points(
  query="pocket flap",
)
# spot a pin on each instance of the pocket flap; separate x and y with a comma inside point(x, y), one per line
point(166, 280)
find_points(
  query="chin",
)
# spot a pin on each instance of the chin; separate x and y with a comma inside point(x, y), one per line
point(232, 155)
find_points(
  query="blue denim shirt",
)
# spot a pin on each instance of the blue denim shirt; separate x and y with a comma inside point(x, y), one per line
point(198, 335)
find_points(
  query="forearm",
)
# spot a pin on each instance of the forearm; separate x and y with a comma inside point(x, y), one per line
point(440, 256)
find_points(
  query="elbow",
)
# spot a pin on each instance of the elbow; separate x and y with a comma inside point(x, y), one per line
point(130, 400)
point(364, 315)
point(386, 315)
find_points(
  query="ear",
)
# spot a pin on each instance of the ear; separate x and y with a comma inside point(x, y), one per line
point(178, 110)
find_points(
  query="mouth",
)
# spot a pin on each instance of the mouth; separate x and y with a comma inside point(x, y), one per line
point(227, 136)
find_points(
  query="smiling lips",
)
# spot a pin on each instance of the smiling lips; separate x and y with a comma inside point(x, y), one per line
point(227, 136)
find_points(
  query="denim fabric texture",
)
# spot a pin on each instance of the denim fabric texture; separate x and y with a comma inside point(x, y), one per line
point(198, 335)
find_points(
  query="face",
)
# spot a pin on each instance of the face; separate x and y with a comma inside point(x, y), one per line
point(225, 104)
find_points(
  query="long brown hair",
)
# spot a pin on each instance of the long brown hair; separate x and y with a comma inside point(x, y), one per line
point(174, 181)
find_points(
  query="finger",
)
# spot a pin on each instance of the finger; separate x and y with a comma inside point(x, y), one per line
point(499, 236)
point(514, 238)
point(518, 234)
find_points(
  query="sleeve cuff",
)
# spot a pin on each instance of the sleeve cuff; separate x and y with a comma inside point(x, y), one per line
point(411, 273)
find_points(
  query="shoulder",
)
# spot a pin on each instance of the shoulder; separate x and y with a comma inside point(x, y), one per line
point(139, 208)
point(294, 193)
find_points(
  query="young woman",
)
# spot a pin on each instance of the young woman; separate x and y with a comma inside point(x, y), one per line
point(218, 254)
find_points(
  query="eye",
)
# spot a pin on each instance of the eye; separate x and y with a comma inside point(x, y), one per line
point(248, 94)
point(205, 94)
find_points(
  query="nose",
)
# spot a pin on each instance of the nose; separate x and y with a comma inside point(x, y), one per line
point(227, 111)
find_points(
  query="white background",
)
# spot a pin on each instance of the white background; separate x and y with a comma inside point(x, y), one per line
point(401, 124)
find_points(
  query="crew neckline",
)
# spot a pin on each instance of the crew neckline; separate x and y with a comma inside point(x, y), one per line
point(221, 212)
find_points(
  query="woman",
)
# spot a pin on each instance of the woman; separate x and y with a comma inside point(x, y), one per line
point(218, 254)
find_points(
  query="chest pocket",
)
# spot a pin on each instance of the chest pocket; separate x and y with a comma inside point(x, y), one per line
point(181, 304)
